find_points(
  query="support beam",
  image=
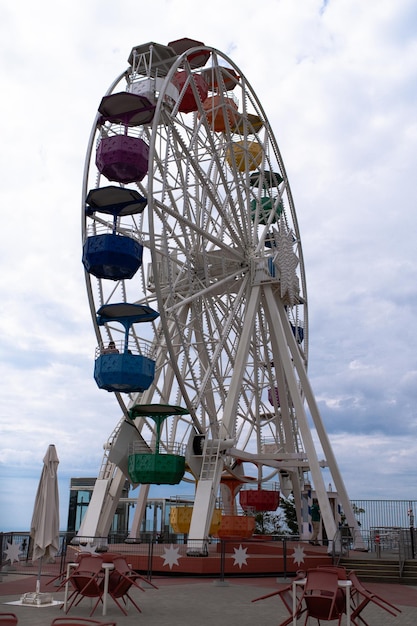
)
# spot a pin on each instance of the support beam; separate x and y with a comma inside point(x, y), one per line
point(207, 489)
point(322, 434)
point(288, 351)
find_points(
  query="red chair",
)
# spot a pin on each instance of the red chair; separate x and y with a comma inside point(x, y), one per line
point(122, 566)
point(8, 619)
point(286, 595)
point(341, 575)
point(321, 598)
point(78, 559)
point(122, 579)
point(361, 597)
point(79, 621)
point(86, 580)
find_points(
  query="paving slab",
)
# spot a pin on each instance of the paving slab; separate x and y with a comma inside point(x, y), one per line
point(199, 602)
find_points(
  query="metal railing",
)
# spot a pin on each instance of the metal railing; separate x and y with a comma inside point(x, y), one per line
point(142, 552)
point(384, 513)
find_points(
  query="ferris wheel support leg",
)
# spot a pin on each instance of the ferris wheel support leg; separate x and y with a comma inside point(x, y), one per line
point(111, 502)
point(296, 489)
point(288, 351)
point(90, 522)
point(204, 502)
point(322, 434)
point(102, 507)
point(206, 491)
point(139, 511)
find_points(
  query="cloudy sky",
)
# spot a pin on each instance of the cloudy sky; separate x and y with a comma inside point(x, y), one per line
point(338, 82)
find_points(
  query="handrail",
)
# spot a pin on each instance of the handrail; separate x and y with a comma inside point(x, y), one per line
point(342, 543)
point(406, 543)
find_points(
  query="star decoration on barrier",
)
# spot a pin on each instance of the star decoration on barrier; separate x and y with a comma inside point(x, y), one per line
point(240, 556)
point(171, 556)
point(298, 555)
point(12, 552)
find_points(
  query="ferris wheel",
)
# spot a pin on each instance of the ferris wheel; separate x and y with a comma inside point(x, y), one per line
point(196, 285)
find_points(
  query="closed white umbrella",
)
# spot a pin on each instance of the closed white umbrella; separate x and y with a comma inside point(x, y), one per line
point(44, 528)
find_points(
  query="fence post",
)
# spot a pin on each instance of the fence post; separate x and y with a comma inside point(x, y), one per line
point(221, 580)
point(284, 555)
point(150, 558)
point(222, 559)
point(378, 546)
point(411, 514)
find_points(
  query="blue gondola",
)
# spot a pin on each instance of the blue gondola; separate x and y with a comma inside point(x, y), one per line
point(120, 366)
point(110, 255)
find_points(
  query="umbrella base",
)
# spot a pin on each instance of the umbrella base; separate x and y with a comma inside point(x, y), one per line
point(36, 598)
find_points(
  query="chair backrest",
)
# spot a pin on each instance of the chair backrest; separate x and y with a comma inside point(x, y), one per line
point(8, 619)
point(121, 578)
point(320, 593)
point(89, 563)
point(79, 621)
point(121, 565)
point(321, 578)
point(357, 584)
point(366, 596)
point(87, 584)
point(85, 578)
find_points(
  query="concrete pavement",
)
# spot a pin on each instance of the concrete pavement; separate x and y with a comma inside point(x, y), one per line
point(198, 602)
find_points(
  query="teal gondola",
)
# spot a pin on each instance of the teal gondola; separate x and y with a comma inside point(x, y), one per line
point(164, 466)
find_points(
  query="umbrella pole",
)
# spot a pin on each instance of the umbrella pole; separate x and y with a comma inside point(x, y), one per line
point(38, 598)
point(38, 581)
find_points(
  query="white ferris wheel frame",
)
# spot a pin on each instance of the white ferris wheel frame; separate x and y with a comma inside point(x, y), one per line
point(230, 307)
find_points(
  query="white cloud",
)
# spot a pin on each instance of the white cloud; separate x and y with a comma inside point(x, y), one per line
point(337, 81)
